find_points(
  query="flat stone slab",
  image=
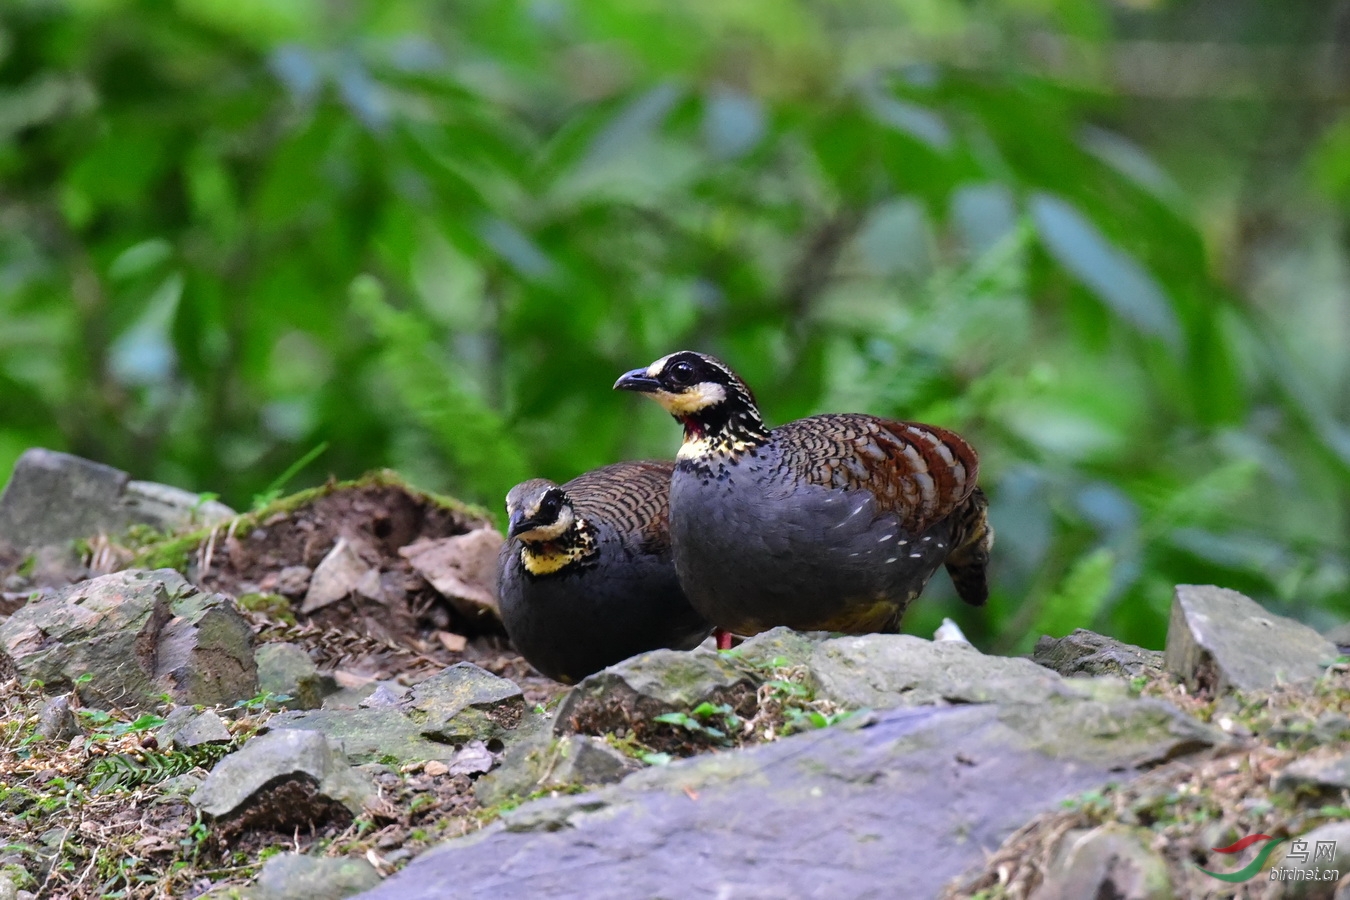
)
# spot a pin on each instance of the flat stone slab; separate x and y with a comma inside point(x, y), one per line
point(52, 498)
point(292, 876)
point(894, 809)
point(1326, 771)
point(883, 671)
point(368, 735)
point(137, 634)
point(466, 702)
point(245, 776)
point(629, 696)
point(1219, 639)
point(1087, 653)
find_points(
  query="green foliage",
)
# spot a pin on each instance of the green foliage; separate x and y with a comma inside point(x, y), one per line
point(713, 721)
point(274, 490)
point(130, 770)
point(1081, 593)
point(429, 235)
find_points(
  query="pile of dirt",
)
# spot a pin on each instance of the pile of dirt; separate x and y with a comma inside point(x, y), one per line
point(343, 571)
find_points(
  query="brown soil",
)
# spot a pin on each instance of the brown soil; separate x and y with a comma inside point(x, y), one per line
point(396, 636)
point(377, 520)
point(139, 842)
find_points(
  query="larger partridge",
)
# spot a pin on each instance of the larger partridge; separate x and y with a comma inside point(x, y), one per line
point(832, 522)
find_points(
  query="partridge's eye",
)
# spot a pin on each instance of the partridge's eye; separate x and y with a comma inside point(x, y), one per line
point(548, 507)
point(681, 373)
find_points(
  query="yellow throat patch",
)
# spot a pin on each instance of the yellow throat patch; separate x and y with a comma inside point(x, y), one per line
point(547, 557)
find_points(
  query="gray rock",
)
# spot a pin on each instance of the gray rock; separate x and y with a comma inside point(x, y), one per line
point(287, 670)
point(1088, 653)
point(579, 760)
point(248, 785)
point(170, 509)
point(1218, 639)
point(138, 635)
point(1108, 861)
point(1321, 771)
point(520, 765)
point(173, 723)
point(292, 876)
point(884, 671)
point(775, 648)
point(914, 799)
point(205, 727)
point(465, 702)
point(56, 566)
point(629, 696)
point(107, 628)
point(1340, 636)
point(369, 735)
point(1144, 732)
point(179, 787)
point(56, 721)
point(385, 695)
point(350, 697)
point(8, 889)
point(54, 498)
point(548, 763)
point(205, 652)
point(1301, 854)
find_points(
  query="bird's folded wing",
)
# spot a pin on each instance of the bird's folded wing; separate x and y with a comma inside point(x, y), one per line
point(919, 472)
point(632, 497)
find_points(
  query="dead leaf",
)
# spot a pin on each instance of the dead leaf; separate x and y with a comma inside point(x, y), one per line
point(455, 643)
point(435, 767)
point(369, 586)
point(336, 577)
point(149, 846)
point(463, 569)
point(346, 679)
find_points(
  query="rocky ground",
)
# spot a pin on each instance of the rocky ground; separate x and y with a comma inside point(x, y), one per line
point(299, 701)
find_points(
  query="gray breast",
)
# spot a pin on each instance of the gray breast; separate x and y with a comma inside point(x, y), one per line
point(621, 602)
point(756, 547)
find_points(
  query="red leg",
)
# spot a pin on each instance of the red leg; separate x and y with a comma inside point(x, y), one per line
point(724, 638)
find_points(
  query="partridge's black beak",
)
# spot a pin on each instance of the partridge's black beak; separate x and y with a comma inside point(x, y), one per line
point(637, 380)
point(519, 523)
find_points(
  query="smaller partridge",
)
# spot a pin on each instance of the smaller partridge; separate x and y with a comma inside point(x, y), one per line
point(586, 577)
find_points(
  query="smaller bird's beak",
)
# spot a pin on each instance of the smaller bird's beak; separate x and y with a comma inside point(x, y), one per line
point(519, 523)
point(637, 380)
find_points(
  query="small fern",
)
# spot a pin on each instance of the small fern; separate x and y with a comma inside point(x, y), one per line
point(487, 458)
point(129, 770)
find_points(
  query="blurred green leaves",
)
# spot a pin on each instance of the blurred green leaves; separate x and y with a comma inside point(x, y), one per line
point(430, 233)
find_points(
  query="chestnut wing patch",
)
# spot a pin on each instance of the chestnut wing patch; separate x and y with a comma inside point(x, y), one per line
point(919, 472)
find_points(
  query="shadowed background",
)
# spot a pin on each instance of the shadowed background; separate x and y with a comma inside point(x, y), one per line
point(1107, 242)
